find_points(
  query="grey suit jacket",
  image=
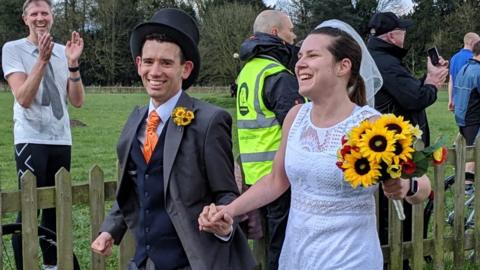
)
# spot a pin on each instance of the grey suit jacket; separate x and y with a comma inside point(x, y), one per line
point(198, 170)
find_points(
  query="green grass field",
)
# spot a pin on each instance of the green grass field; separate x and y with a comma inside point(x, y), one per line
point(95, 143)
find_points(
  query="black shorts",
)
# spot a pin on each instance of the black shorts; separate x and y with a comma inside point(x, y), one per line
point(470, 133)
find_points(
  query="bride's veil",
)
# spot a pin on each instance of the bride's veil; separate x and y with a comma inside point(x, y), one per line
point(368, 69)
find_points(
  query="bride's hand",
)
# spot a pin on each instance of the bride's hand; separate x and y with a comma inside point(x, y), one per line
point(208, 222)
point(396, 189)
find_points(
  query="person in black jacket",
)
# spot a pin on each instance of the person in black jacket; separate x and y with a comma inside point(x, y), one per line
point(402, 95)
point(270, 58)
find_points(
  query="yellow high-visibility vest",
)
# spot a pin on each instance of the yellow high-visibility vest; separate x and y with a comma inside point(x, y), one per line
point(259, 132)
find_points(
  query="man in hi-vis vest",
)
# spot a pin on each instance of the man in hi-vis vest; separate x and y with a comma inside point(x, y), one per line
point(267, 89)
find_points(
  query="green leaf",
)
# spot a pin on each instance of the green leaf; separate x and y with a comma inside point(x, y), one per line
point(418, 156)
point(439, 143)
point(422, 167)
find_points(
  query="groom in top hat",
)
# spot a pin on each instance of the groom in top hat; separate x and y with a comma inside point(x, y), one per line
point(176, 157)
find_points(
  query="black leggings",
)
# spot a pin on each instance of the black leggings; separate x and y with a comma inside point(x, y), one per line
point(43, 161)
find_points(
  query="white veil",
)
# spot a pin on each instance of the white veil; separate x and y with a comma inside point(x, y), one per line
point(368, 69)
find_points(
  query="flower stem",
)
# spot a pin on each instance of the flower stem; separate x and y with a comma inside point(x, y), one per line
point(399, 209)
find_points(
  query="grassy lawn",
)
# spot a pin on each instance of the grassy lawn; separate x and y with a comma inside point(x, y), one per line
point(95, 143)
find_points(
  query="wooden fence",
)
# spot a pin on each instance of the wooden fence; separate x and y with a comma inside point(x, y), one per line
point(62, 196)
point(94, 193)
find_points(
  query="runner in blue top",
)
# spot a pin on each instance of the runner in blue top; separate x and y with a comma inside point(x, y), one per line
point(458, 61)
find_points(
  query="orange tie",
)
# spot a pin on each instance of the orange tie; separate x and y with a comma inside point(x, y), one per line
point(151, 137)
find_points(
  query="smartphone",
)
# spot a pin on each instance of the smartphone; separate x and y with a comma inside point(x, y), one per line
point(434, 56)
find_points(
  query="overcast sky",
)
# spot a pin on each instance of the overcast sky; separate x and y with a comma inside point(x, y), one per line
point(401, 7)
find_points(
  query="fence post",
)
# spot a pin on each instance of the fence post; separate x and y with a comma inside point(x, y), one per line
point(395, 237)
point(63, 205)
point(28, 197)
point(459, 199)
point(417, 226)
point(417, 236)
point(439, 217)
point(97, 211)
point(477, 202)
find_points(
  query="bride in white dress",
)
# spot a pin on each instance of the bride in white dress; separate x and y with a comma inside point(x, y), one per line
point(330, 225)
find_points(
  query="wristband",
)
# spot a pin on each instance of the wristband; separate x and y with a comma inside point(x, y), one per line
point(76, 79)
point(74, 69)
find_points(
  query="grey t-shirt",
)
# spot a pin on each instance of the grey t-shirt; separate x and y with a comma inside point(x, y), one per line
point(36, 124)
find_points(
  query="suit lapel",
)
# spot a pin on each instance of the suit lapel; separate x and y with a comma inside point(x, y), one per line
point(130, 134)
point(173, 139)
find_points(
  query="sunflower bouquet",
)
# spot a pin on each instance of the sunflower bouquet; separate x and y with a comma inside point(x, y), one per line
point(376, 151)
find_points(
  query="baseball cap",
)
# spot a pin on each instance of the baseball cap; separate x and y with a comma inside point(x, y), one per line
point(384, 22)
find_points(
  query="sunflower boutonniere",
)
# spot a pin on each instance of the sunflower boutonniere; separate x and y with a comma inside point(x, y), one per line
point(374, 152)
point(182, 116)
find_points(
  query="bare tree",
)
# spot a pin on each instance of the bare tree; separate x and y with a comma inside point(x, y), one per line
point(223, 29)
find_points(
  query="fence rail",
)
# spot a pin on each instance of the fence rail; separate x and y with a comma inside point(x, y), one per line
point(94, 193)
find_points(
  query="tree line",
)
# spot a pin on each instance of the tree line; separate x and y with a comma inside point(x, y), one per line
point(105, 26)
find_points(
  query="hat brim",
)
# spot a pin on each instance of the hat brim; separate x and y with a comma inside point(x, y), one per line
point(186, 44)
point(405, 24)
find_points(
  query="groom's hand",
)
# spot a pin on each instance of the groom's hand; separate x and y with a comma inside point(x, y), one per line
point(103, 244)
point(222, 227)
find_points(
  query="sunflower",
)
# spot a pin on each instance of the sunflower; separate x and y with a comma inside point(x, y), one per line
point(403, 150)
point(359, 170)
point(378, 144)
point(357, 132)
point(396, 124)
point(178, 112)
point(182, 116)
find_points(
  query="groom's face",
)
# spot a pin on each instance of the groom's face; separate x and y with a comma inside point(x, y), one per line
point(162, 70)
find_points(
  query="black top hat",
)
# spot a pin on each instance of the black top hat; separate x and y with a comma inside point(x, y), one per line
point(176, 25)
point(384, 22)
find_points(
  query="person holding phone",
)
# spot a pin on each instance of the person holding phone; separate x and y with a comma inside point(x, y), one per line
point(43, 76)
point(403, 95)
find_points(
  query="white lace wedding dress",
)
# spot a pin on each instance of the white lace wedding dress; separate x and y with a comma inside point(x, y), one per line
point(330, 225)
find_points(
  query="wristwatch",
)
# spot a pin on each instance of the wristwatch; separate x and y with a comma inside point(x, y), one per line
point(413, 187)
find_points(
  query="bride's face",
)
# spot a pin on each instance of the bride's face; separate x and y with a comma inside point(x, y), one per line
point(316, 66)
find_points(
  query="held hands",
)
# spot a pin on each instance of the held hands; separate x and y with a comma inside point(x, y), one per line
point(396, 189)
point(74, 49)
point(103, 244)
point(215, 219)
point(436, 75)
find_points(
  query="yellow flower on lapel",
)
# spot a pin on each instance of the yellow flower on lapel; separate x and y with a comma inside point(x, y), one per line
point(182, 116)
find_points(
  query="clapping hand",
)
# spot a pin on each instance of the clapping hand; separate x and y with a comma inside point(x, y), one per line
point(74, 49)
point(215, 219)
point(45, 46)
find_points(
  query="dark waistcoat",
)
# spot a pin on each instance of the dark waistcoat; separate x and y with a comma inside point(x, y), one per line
point(155, 236)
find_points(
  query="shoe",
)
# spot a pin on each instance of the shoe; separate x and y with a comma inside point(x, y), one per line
point(49, 267)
